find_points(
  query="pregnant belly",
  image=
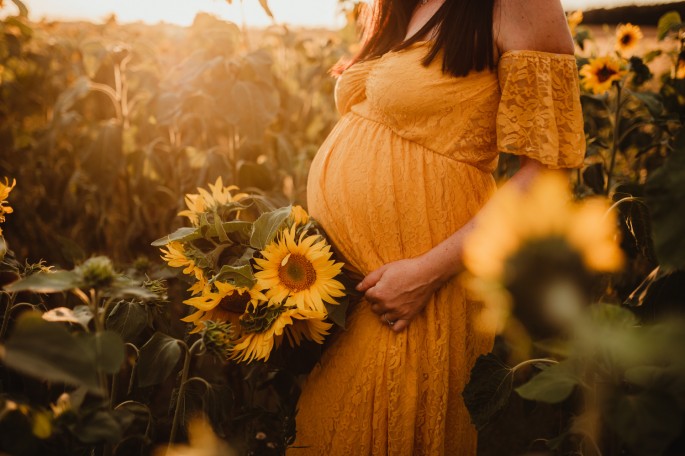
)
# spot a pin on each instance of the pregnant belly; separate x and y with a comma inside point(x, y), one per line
point(381, 198)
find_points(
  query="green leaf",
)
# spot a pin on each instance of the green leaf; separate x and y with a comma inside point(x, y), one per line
point(46, 282)
point(665, 197)
point(123, 286)
point(651, 101)
point(182, 234)
point(667, 22)
point(651, 55)
point(240, 276)
point(267, 225)
point(647, 422)
point(108, 350)
point(552, 385)
point(218, 227)
point(613, 316)
point(128, 318)
point(49, 352)
point(97, 427)
point(488, 390)
point(337, 313)
point(157, 359)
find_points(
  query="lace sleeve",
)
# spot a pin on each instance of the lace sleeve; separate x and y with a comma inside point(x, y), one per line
point(539, 114)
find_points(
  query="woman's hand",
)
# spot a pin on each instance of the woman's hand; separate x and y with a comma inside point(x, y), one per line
point(399, 291)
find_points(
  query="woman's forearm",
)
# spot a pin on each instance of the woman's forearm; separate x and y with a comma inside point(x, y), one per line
point(444, 261)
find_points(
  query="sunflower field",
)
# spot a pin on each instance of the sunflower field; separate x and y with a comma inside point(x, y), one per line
point(153, 200)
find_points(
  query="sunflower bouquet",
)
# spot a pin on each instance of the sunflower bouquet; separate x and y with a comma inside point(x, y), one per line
point(259, 273)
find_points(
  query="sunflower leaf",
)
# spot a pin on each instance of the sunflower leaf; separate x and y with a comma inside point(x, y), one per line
point(46, 282)
point(181, 234)
point(157, 359)
point(668, 22)
point(552, 385)
point(337, 313)
point(239, 276)
point(267, 226)
point(488, 390)
point(46, 350)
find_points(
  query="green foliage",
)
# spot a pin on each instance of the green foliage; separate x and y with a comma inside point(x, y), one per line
point(267, 225)
point(665, 196)
point(487, 396)
point(47, 350)
point(157, 359)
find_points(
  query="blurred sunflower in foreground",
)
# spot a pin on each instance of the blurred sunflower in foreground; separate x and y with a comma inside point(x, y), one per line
point(535, 253)
point(574, 19)
point(5, 190)
point(627, 37)
point(598, 75)
point(202, 441)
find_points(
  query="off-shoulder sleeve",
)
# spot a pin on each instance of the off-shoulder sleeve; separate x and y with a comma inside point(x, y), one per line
point(539, 114)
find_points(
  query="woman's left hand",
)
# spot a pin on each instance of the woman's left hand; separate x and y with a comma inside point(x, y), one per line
point(399, 291)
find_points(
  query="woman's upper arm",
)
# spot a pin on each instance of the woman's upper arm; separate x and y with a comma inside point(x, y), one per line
point(532, 24)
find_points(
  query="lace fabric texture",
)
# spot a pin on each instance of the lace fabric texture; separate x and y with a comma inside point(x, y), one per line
point(407, 165)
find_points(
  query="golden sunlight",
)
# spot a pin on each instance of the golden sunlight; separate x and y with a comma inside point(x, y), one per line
point(310, 13)
point(181, 12)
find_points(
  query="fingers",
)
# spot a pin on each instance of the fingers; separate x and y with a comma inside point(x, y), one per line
point(370, 280)
point(400, 325)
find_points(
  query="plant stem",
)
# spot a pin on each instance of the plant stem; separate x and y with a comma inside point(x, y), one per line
point(8, 311)
point(533, 361)
point(182, 388)
point(616, 139)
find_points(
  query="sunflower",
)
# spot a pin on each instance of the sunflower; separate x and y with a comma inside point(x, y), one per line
point(543, 212)
point(5, 190)
point(600, 73)
point(627, 36)
point(204, 201)
point(533, 243)
point(227, 303)
point(265, 325)
point(574, 19)
point(202, 441)
point(177, 257)
point(299, 272)
point(680, 66)
point(299, 216)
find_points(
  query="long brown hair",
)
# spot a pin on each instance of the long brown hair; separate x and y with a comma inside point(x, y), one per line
point(464, 34)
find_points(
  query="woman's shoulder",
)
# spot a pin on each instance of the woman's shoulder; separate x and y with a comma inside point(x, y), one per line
point(538, 25)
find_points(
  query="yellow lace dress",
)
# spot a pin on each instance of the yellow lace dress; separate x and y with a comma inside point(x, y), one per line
point(407, 165)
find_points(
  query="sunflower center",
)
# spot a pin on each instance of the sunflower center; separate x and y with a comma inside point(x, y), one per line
point(297, 273)
point(236, 302)
point(626, 39)
point(605, 73)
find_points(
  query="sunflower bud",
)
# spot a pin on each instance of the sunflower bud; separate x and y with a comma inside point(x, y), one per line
point(96, 272)
point(218, 338)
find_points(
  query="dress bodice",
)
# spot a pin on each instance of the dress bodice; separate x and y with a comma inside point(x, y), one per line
point(529, 106)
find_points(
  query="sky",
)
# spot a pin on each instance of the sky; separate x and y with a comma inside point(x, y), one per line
point(307, 13)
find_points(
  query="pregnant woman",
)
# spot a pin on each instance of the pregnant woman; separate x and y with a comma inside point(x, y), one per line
point(438, 88)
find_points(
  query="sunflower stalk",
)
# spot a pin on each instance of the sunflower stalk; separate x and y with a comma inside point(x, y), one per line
point(616, 138)
point(182, 387)
point(8, 311)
